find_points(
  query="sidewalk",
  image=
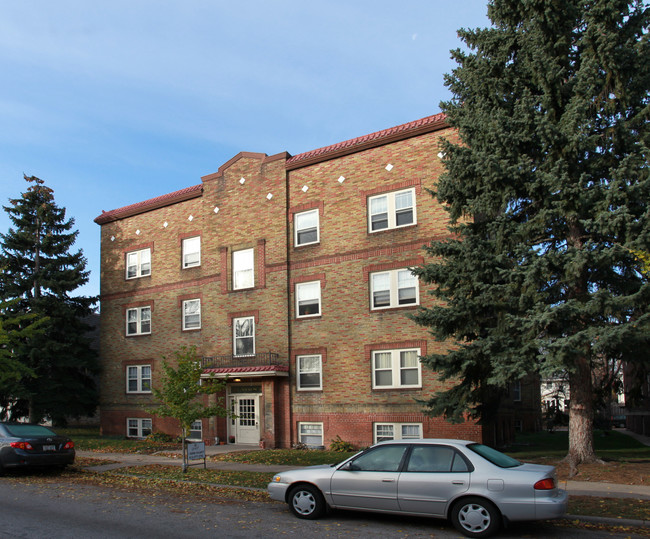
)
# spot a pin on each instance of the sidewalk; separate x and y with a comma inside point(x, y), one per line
point(126, 460)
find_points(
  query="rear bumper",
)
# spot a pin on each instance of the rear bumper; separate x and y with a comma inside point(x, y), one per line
point(19, 458)
point(552, 507)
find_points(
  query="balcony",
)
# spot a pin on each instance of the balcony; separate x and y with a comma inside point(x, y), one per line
point(229, 361)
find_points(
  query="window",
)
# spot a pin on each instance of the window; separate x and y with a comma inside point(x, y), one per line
point(191, 252)
point(396, 368)
point(138, 321)
point(516, 391)
point(391, 210)
point(310, 434)
point(138, 379)
point(138, 263)
point(390, 289)
point(436, 458)
point(306, 228)
point(308, 299)
point(397, 431)
point(196, 430)
point(243, 275)
point(192, 314)
point(244, 336)
point(138, 428)
point(309, 372)
point(387, 458)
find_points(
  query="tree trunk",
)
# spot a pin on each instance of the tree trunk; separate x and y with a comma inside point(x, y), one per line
point(581, 416)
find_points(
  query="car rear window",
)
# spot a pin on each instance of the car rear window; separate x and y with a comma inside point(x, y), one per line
point(495, 457)
point(22, 431)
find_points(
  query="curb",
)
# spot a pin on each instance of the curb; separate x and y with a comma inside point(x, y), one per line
point(609, 521)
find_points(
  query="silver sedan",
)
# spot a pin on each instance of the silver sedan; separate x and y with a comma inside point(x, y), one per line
point(473, 485)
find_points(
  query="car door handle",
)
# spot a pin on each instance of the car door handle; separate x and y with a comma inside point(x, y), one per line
point(458, 482)
point(388, 480)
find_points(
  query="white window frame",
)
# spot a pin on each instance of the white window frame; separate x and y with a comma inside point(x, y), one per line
point(141, 262)
point(298, 228)
point(236, 322)
point(306, 294)
point(196, 428)
point(191, 252)
point(141, 424)
point(392, 277)
point(393, 208)
point(243, 269)
point(395, 368)
point(398, 431)
point(186, 305)
point(302, 369)
point(309, 429)
point(140, 320)
point(141, 374)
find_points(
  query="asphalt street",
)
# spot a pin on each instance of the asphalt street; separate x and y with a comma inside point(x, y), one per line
point(70, 511)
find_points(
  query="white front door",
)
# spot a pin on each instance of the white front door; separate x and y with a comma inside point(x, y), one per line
point(246, 426)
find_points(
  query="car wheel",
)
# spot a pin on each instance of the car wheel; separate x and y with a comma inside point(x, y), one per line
point(306, 501)
point(475, 517)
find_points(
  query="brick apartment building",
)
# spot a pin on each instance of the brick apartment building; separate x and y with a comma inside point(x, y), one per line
point(290, 275)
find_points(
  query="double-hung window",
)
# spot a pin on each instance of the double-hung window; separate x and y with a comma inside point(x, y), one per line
point(391, 210)
point(138, 427)
point(309, 372)
point(138, 321)
point(138, 379)
point(396, 368)
point(138, 263)
point(244, 336)
point(310, 434)
point(397, 431)
point(516, 391)
point(243, 273)
point(306, 226)
point(395, 288)
point(196, 430)
point(191, 252)
point(308, 299)
point(191, 314)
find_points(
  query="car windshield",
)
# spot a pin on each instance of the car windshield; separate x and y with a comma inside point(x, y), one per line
point(495, 457)
point(23, 431)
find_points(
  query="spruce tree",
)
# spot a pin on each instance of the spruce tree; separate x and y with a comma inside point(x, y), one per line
point(547, 193)
point(41, 271)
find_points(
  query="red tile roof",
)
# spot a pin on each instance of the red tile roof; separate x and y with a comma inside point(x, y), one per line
point(258, 368)
point(379, 138)
point(151, 204)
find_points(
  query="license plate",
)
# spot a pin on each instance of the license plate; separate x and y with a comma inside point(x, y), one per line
point(49, 448)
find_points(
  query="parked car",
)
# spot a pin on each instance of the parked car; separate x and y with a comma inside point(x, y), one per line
point(476, 487)
point(26, 444)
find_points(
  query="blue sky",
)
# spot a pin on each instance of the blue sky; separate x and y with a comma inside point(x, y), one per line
point(116, 102)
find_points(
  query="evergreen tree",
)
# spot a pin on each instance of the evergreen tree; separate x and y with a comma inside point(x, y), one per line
point(547, 193)
point(40, 273)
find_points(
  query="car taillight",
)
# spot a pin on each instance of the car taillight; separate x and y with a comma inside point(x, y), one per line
point(545, 484)
point(69, 445)
point(22, 445)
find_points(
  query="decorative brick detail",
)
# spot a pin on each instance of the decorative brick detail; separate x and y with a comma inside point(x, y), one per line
point(184, 235)
point(307, 278)
point(244, 314)
point(138, 247)
point(181, 299)
point(370, 348)
point(317, 350)
point(134, 304)
point(367, 270)
point(389, 188)
point(306, 207)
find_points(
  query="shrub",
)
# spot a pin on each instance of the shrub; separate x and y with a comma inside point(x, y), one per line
point(341, 446)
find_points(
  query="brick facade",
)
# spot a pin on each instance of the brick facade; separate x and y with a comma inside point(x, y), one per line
point(252, 204)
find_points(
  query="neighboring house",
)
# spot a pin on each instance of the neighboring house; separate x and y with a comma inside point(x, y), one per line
point(637, 398)
point(290, 276)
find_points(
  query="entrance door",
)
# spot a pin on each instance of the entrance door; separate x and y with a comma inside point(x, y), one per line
point(246, 426)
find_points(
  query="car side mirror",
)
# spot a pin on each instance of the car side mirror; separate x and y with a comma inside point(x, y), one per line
point(349, 467)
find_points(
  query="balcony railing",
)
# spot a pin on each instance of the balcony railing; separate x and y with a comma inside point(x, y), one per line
point(229, 360)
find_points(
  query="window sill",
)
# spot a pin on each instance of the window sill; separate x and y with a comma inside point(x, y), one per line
point(403, 227)
point(310, 317)
point(398, 308)
point(398, 388)
point(314, 244)
point(129, 336)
